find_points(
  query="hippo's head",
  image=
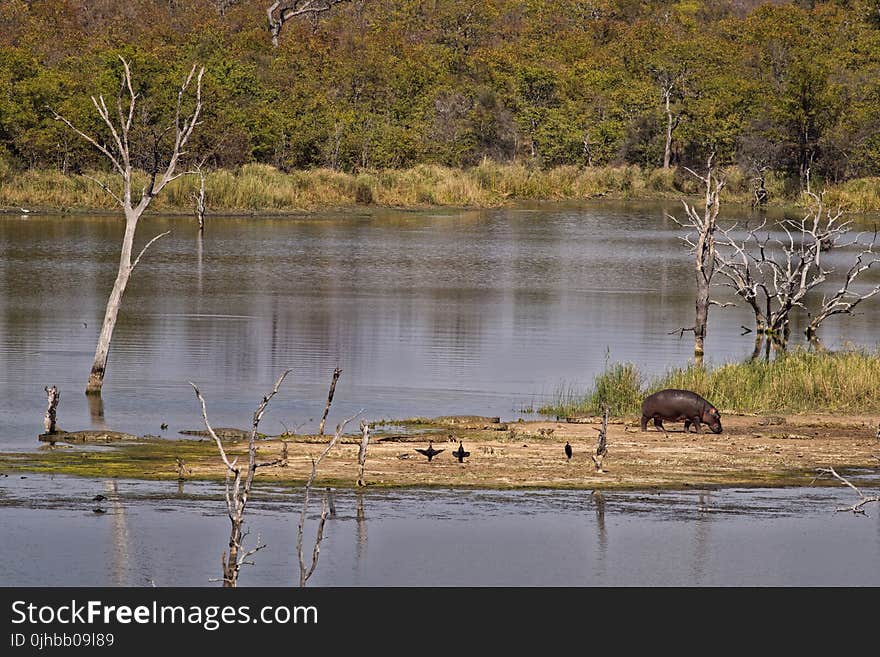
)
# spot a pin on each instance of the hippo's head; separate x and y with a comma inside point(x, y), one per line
point(713, 418)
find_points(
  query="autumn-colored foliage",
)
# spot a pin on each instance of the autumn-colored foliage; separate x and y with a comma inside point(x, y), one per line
point(789, 87)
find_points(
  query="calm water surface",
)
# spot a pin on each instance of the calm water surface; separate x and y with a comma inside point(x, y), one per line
point(427, 313)
point(152, 533)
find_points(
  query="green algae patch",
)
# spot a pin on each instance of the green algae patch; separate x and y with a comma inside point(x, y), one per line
point(145, 459)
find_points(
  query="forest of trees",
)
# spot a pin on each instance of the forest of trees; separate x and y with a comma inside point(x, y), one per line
point(785, 86)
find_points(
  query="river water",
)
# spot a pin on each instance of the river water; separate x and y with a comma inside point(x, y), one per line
point(427, 313)
point(158, 534)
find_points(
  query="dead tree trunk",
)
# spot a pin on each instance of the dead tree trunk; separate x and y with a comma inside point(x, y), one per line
point(118, 151)
point(50, 419)
point(199, 199)
point(239, 490)
point(281, 11)
point(671, 125)
point(336, 373)
point(362, 453)
point(703, 247)
point(602, 443)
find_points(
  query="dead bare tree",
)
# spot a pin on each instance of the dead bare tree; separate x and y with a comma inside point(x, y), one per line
point(118, 151)
point(50, 419)
point(858, 507)
point(336, 373)
point(845, 299)
point(601, 443)
point(239, 490)
point(669, 84)
point(703, 246)
point(281, 11)
point(198, 197)
point(775, 276)
point(306, 573)
point(362, 452)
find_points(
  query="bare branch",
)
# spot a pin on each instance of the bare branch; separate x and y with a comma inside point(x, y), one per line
point(210, 429)
point(100, 147)
point(318, 537)
point(147, 246)
point(107, 189)
point(238, 492)
point(336, 373)
point(856, 508)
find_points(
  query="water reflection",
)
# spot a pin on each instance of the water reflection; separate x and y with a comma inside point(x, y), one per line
point(121, 566)
point(599, 502)
point(360, 533)
point(96, 410)
point(702, 536)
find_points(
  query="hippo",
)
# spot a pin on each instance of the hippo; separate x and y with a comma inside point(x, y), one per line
point(676, 405)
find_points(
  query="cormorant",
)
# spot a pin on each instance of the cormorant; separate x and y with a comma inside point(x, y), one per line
point(163, 426)
point(98, 498)
point(430, 452)
point(567, 451)
point(460, 454)
point(99, 510)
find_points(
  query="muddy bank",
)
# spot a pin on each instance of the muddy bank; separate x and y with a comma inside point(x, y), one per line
point(752, 451)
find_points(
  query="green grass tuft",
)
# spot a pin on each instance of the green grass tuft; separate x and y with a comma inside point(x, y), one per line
point(800, 381)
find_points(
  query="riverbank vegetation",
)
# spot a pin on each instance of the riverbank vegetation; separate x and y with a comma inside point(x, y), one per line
point(412, 103)
point(800, 381)
point(261, 188)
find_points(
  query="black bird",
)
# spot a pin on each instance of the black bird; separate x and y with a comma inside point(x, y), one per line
point(460, 454)
point(98, 510)
point(163, 426)
point(98, 498)
point(567, 451)
point(430, 452)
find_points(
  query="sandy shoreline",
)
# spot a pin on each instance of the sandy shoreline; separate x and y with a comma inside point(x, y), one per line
point(752, 451)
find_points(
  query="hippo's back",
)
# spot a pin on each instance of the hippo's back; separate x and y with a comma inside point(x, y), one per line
point(673, 401)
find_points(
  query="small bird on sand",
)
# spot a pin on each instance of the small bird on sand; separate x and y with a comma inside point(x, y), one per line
point(460, 454)
point(430, 452)
point(568, 451)
point(98, 498)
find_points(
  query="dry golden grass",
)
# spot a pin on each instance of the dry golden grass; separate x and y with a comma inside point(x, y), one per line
point(260, 188)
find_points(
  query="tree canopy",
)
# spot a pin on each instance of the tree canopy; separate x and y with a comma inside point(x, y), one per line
point(792, 86)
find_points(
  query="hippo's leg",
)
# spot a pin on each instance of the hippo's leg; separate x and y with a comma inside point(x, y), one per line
point(658, 422)
point(696, 422)
point(687, 424)
point(644, 422)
